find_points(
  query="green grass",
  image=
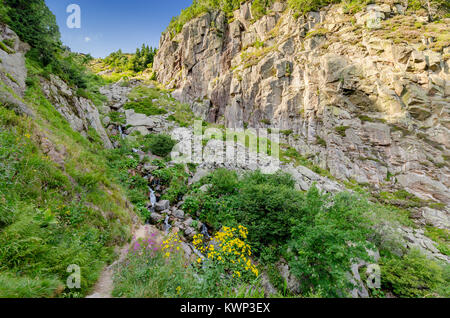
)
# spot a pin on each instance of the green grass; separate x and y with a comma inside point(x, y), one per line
point(52, 216)
point(6, 48)
point(317, 32)
point(181, 113)
point(342, 130)
point(441, 237)
point(16, 286)
point(117, 118)
point(146, 107)
point(47, 222)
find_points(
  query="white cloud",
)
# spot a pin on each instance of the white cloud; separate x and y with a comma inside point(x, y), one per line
point(87, 39)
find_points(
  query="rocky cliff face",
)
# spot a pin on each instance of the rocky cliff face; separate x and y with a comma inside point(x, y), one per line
point(80, 112)
point(13, 72)
point(365, 96)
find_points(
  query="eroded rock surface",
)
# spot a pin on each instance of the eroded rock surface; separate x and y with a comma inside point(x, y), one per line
point(361, 103)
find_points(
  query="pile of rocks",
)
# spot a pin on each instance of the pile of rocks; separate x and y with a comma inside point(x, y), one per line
point(176, 217)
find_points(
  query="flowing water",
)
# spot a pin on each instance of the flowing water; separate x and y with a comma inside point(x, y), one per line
point(152, 198)
point(167, 226)
point(121, 132)
point(205, 231)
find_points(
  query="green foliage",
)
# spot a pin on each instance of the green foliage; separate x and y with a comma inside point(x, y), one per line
point(47, 221)
point(441, 237)
point(138, 62)
point(6, 47)
point(264, 204)
point(304, 6)
point(259, 8)
point(121, 161)
point(199, 7)
point(342, 130)
point(35, 24)
point(146, 107)
point(117, 117)
point(414, 275)
point(175, 179)
point(287, 133)
point(224, 182)
point(15, 286)
point(354, 6)
point(181, 113)
point(4, 12)
point(160, 145)
point(320, 141)
point(154, 272)
point(326, 239)
point(319, 235)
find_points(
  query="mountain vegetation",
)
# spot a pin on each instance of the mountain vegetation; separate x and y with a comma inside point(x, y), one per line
point(260, 8)
point(85, 163)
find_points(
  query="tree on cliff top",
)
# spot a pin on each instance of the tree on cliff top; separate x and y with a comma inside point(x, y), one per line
point(35, 24)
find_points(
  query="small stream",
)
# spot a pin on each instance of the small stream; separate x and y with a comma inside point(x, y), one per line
point(152, 198)
point(121, 132)
point(167, 226)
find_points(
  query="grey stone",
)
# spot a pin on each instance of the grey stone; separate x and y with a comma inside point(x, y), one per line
point(156, 217)
point(162, 205)
point(179, 214)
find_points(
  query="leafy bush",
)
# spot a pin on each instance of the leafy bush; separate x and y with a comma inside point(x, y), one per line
point(259, 8)
point(224, 182)
point(230, 251)
point(160, 145)
point(329, 236)
point(441, 237)
point(414, 275)
point(265, 204)
point(319, 235)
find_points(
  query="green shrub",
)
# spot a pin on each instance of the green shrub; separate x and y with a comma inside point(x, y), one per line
point(224, 182)
point(5, 48)
point(259, 8)
point(441, 237)
point(354, 6)
point(414, 275)
point(304, 6)
point(321, 252)
point(117, 118)
point(160, 145)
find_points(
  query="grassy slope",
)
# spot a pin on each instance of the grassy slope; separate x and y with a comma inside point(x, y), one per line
point(51, 217)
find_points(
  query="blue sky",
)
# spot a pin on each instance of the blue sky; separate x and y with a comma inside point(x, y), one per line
point(109, 25)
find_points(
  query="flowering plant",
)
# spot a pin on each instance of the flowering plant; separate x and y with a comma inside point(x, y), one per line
point(229, 249)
